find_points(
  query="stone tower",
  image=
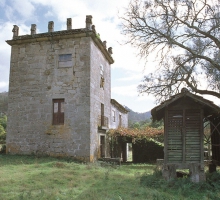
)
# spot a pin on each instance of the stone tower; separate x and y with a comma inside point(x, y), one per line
point(59, 92)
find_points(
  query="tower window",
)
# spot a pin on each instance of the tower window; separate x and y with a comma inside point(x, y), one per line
point(65, 60)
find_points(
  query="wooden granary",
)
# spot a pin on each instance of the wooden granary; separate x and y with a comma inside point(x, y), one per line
point(183, 116)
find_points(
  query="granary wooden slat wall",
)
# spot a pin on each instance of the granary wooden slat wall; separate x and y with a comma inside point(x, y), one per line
point(193, 124)
point(184, 135)
point(174, 136)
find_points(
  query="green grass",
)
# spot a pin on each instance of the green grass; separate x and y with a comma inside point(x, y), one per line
point(30, 177)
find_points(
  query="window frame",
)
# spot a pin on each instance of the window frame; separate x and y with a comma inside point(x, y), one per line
point(65, 60)
point(113, 115)
point(58, 111)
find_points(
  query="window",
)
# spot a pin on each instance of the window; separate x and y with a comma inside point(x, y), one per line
point(102, 80)
point(101, 70)
point(58, 111)
point(113, 115)
point(65, 60)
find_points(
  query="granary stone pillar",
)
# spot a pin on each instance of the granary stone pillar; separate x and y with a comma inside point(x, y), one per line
point(69, 23)
point(88, 21)
point(15, 31)
point(197, 173)
point(50, 26)
point(169, 171)
point(33, 29)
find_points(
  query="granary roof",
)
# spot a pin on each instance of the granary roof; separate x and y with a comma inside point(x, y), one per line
point(119, 106)
point(158, 111)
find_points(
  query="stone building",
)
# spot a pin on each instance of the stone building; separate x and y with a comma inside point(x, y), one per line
point(60, 93)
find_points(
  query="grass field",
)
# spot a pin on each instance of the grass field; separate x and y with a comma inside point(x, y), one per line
point(30, 177)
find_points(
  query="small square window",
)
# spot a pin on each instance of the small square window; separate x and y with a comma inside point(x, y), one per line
point(65, 57)
point(65, 60)
point(58, 111)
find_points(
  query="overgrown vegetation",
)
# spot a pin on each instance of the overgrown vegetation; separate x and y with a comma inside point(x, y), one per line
point(183, 187)
point(3, 124)
point(29, 177)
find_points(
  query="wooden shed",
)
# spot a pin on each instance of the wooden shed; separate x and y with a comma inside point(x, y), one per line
point(183, 116)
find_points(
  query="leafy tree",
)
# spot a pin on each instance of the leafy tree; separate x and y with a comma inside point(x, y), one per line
point(184, 36)
point(3, 123)
point(135, 125)
point(157, 124)
point(2, 134)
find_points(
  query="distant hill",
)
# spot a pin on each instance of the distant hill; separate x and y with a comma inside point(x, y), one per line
point(137, 117)
point(3, 102)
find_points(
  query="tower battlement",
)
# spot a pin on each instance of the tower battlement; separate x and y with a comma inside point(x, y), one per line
point(88, 31)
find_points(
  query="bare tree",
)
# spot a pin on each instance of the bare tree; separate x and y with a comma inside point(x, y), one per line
point(185, 36)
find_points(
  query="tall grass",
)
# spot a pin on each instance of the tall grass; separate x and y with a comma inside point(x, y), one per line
point(29, 177)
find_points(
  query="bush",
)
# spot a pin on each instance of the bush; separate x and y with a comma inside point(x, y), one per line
point(2, 134)
point(3, 124)
point(3, 121)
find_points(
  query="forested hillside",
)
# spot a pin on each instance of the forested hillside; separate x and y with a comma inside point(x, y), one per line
point(138, 117)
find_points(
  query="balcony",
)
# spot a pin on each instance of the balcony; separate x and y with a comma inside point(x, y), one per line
point(103, 122)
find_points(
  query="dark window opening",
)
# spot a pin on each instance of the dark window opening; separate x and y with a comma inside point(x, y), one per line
point(65, 57)
point(65, 60)
point(58, 111)
point(102, 146)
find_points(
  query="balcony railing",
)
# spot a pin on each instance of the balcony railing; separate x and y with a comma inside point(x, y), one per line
point(103, 121)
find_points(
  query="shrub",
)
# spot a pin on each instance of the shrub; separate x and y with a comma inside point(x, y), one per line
point(2, 134)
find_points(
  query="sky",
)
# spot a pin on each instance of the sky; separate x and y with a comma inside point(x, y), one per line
point(128, 69)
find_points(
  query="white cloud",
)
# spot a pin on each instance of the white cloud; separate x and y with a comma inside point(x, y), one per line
point(130, 78)
point(9, 12)
point(2, 3)
point(26, 9)
point(3, 86)
point(49, 14)
point(128, 90)
point(6, 30)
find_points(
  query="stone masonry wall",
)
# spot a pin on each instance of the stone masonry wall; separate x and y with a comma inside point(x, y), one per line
point(35, 80)
point(98, 95)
